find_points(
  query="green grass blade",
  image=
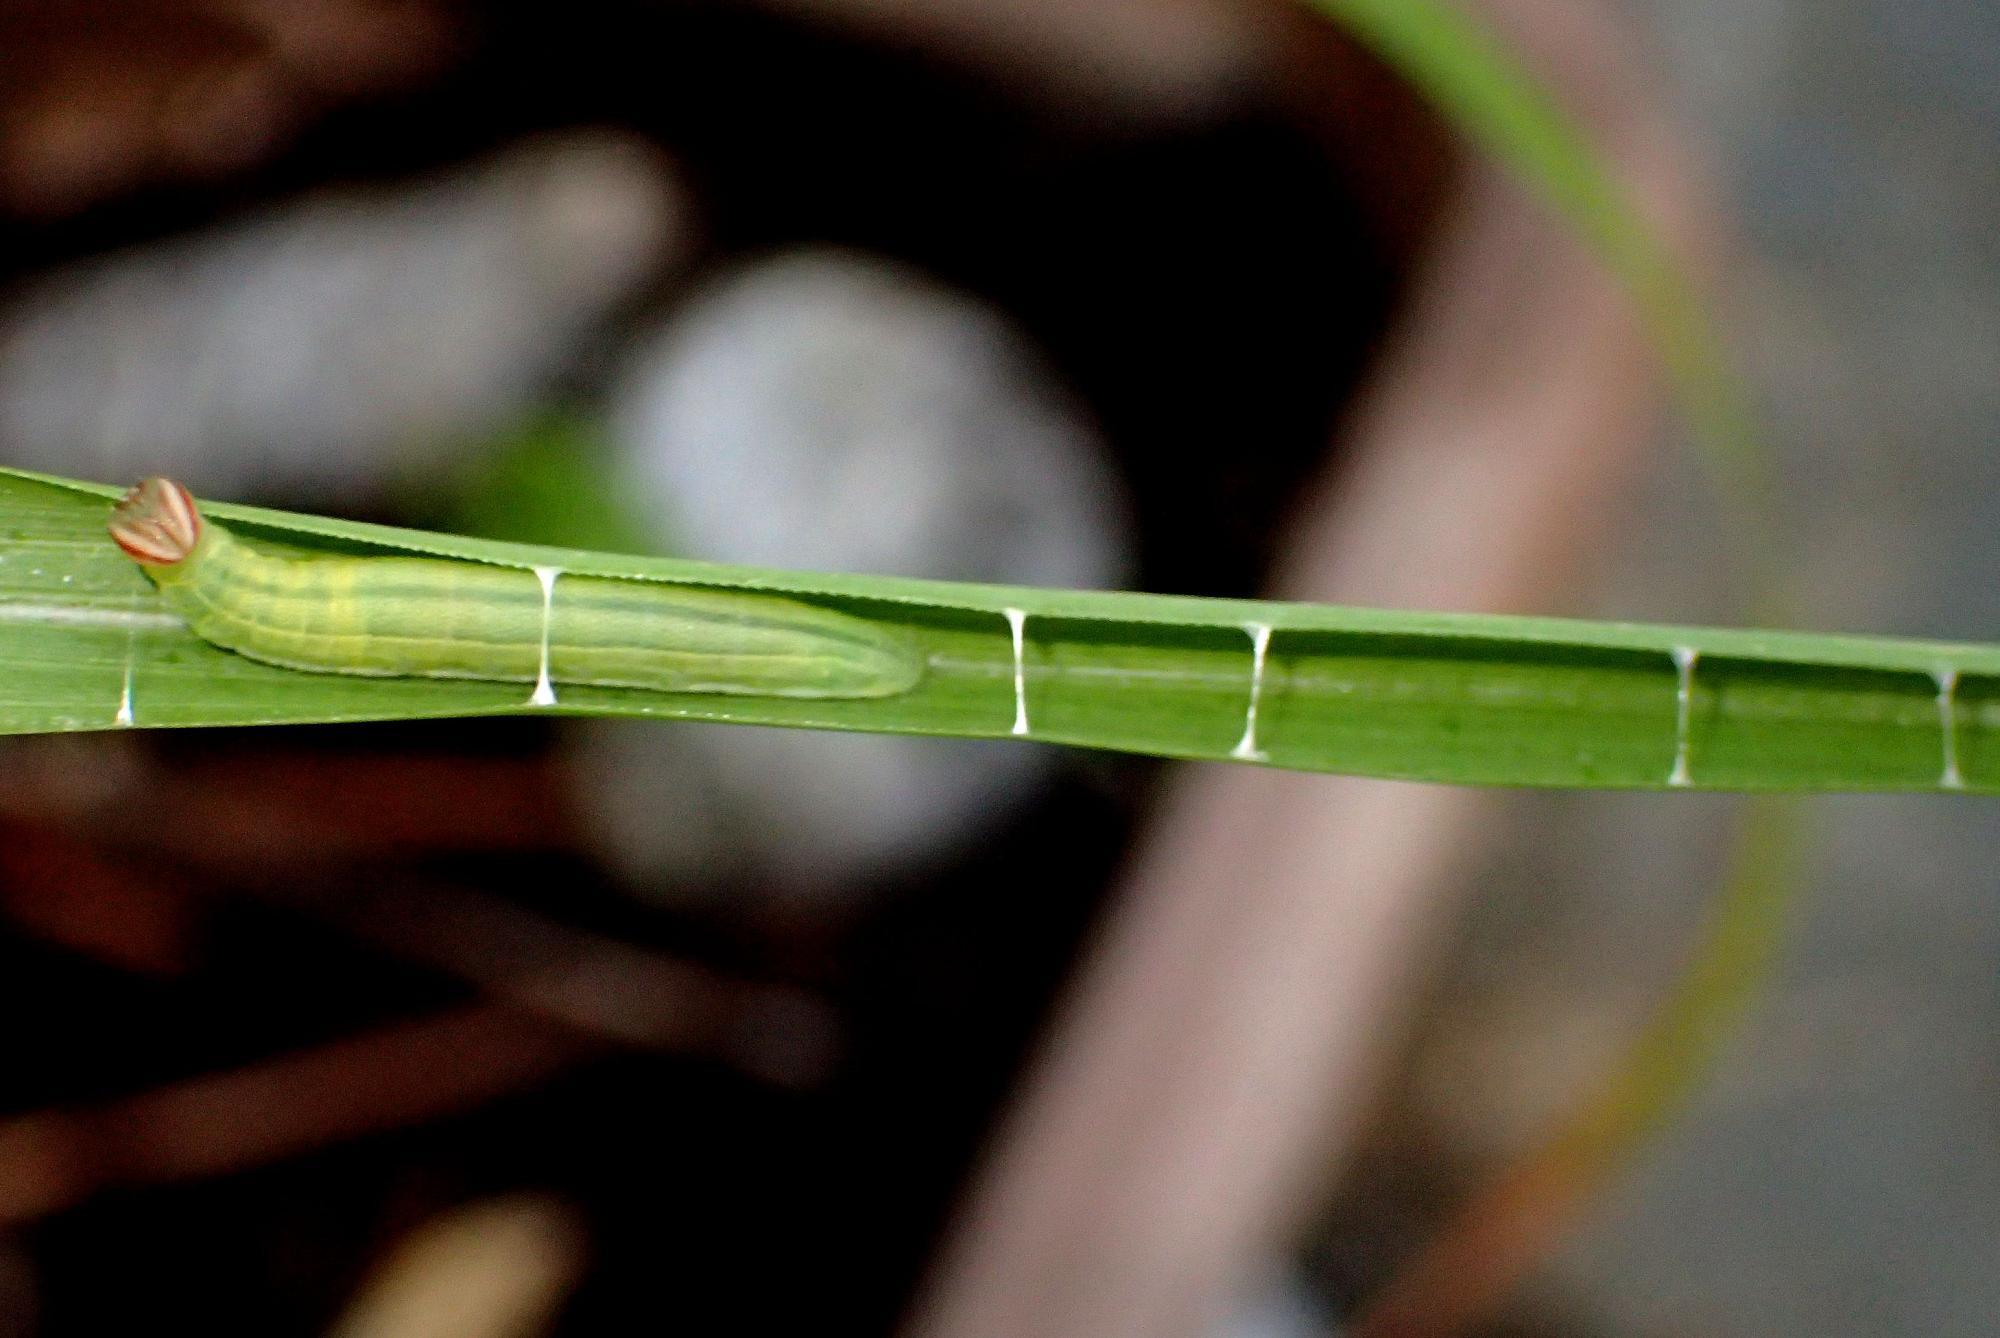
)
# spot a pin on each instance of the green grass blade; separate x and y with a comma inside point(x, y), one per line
point(1481, 88)
point(85, 644)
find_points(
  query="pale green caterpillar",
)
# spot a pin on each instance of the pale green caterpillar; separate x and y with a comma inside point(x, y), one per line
point(438, 618)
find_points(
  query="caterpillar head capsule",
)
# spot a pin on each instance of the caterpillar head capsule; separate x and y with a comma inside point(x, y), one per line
point(156, 523)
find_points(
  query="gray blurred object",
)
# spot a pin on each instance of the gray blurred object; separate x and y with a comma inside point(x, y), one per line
point(833, 411)
point(1281, 1305)
point(1842, 1173)
point(323, 345)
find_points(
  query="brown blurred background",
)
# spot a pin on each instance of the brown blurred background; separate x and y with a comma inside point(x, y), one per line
point(469, 1029)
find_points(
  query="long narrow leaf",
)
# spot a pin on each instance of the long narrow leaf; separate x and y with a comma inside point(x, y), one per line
point(86, 644)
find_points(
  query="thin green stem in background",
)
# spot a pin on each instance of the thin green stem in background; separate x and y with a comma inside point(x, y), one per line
point(1484, 92)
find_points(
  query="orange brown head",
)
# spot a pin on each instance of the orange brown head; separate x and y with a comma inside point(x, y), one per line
point(156, 523)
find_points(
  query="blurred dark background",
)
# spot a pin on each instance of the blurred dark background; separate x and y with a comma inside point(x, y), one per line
point(720, 1059)
point(510, 1029)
